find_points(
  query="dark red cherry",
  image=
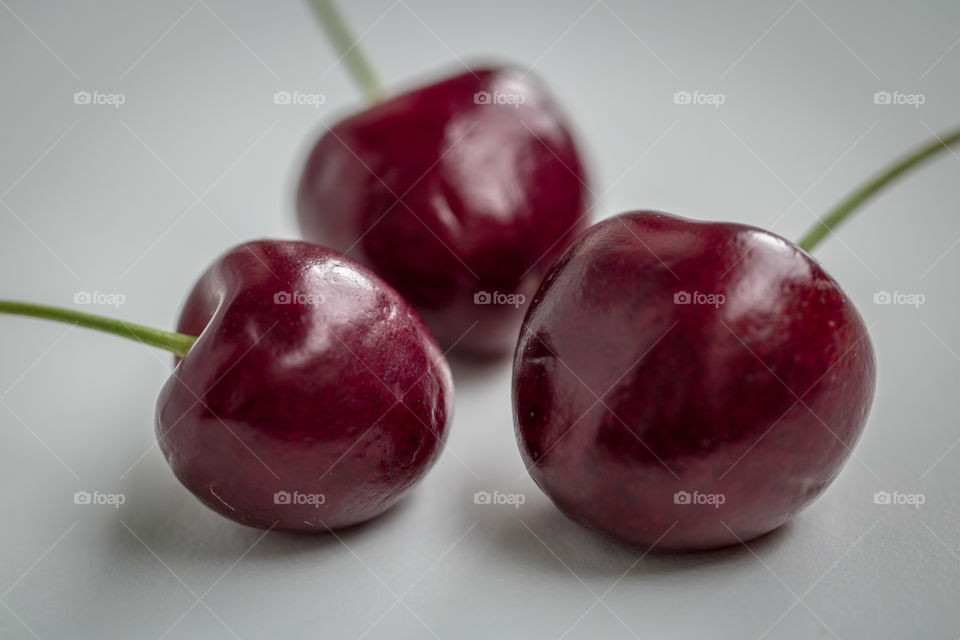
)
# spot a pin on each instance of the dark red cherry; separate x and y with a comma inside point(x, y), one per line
point(315, 396)
point(689, 384)
point(460, 194)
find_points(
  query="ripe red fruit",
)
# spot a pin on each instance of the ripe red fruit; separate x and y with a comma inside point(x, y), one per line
point(468, 186)
point(314, 398)
point(686, 383)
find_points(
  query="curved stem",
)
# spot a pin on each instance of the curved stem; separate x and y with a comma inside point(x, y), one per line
point(361, 70)
point(840, 213)
point(178, 343)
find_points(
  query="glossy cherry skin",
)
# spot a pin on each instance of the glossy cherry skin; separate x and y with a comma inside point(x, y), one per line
point(450, 191)
point(638, 406)
point(314, 397)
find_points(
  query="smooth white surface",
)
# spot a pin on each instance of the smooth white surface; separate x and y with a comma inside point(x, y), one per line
point(138, 200)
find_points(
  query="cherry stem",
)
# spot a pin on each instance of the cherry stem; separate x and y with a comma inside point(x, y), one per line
point(350, 51)
point(177, 343)
point(843, 210)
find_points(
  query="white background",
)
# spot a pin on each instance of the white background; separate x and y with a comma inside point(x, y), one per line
point(138, 200)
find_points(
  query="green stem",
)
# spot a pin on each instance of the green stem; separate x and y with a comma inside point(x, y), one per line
point(338, 31)
point(178, 343)
point(840, 213)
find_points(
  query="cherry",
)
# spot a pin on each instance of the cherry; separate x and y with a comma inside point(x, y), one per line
point(691, 384)
point(666, 359)
point(310, 377)
point(459, 194)
point(314, 397)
